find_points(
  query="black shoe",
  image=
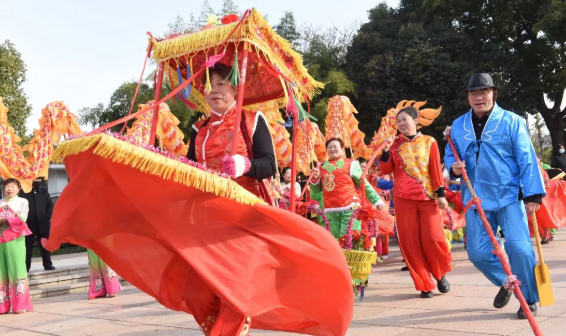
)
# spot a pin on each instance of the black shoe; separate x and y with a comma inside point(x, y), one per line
point(502, 298)
point(426, 295)
point(49, 268)
point(522, 316)
point(404, 268)
point(544, 242)
point(443, 285)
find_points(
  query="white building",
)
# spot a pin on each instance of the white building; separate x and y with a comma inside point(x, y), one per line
point(57, 181)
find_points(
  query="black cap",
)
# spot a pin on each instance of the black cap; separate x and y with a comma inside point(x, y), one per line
point(480, 81)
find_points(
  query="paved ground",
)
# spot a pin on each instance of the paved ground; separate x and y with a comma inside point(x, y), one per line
point(392, 307)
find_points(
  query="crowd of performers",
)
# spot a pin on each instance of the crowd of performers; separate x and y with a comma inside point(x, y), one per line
point(16, 253)
point(497, 154)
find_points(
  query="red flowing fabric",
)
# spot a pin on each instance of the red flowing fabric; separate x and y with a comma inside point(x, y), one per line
point(283, 271)
point(385, 221)
point(552, 212)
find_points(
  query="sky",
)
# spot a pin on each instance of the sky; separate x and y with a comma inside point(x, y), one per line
point(81, 51)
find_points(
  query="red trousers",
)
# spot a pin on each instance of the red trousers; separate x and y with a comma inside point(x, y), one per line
point(422, 241)
point(213, 316)
point(382, 245)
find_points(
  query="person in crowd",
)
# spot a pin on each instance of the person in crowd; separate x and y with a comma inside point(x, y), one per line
point(558, 159)
point(337, 179)
point(497, 153)
point(103, 280)
point(39, 222)
point(14, 288)
point(418, 192)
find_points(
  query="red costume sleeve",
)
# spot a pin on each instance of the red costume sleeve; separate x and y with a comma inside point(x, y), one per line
point(434, 167)
point(387, 166)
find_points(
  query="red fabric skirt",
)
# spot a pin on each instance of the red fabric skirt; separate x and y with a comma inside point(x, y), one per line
point(276, 267)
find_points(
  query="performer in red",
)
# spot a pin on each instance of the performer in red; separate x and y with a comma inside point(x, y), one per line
point(254, 161)
point(209, 247)
point(418, 194)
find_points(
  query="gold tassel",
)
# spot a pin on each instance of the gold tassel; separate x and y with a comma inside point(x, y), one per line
point(146, 161)
point(208, 86)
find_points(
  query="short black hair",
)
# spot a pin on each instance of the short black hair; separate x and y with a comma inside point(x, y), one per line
point(411, 111)
point(362, 160)
point(12, 180)
point(283, 171)
point(334, 139)
point(220, 69)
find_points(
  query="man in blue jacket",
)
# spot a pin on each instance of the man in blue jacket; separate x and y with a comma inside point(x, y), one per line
point(497, 153)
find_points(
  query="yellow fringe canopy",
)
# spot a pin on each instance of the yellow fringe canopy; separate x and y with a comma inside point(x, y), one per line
point(268, 54)
point(144, 160)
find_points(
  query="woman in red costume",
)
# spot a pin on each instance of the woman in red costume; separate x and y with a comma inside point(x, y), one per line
point(211, 139)
point(418, 194)
point(209, 247)
point(212, 249)
point(253, 161)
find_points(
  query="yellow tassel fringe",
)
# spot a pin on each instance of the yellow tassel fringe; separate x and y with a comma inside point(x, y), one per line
point(152, 163)
point(191, 44)
point(360, 263)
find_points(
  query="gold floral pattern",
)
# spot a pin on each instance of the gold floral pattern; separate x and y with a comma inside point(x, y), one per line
point(21, 286)
point(415, 156)
point(206, 326)
point(4, 295)
point(328, 183)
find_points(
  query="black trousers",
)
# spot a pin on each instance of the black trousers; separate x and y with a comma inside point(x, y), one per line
point(45, 255)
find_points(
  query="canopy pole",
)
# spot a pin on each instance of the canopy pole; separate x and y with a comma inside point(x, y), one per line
point(294, 161)
point(155, 100)
point(240, 98)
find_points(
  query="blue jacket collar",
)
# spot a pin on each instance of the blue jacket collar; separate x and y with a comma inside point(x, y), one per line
point(491, 126)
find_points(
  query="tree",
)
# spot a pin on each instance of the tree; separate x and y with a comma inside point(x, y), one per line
point(540, 139)
point(324, 53)
point(181, 27)
point(522, 42)
point(287, 28)
point(205, 11)
point(119, 107)
point(228, 7)
point(12, 76)
point(396, 56)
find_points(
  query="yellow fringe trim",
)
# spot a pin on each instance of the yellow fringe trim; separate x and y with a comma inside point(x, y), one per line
point(189, 45)
point(360, 263)
point(558, 177)
point(139, 158)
